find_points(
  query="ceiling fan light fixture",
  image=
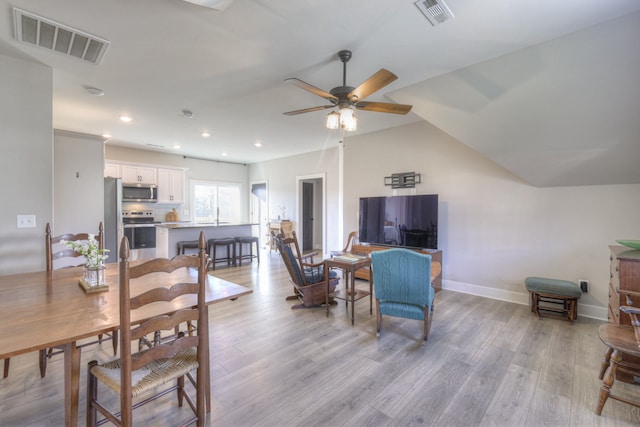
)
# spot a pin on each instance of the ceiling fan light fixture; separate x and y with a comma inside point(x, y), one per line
point(348, 119)
point(351, 125)
point(333, 120)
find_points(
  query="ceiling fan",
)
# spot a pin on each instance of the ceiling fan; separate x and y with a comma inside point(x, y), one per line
point(345, 96)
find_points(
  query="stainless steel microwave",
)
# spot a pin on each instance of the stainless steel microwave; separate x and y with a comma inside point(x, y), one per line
point(147, 193)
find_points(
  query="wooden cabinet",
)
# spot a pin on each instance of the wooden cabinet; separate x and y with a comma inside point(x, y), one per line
point(624, 275)
point(112, 170)
point(138, 174)
point(170, 186)
point(365, 273)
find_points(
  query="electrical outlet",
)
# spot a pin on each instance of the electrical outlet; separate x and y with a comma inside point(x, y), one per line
point(26, 221)
point(584, 286)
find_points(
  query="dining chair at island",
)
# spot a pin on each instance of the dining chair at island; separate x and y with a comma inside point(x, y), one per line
point(402, 285)
point(135, 375)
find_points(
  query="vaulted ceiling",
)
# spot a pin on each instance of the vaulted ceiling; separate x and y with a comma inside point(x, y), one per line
point(547, 89)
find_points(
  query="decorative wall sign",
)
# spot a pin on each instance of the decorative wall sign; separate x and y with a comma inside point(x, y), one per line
point(402, 180)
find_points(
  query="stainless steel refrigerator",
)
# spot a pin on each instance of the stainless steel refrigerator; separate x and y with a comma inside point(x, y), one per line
point(112, 217)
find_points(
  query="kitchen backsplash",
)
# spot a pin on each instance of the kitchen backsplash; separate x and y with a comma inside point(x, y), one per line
point(160, 210)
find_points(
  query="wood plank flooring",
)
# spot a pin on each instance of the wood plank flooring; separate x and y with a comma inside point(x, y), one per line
point(486, 362)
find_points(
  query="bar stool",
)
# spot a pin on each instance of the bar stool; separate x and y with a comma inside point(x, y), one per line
point(250, 240)
point(229, 244)
point(186, 245)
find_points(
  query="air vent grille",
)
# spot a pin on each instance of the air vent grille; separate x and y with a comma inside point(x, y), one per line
point(45, 33)
point(436, 11)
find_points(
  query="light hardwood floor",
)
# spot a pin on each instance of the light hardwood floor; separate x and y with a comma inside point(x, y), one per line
point(486, 362)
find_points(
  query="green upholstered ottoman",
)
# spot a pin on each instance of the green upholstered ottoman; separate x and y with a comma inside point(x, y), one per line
point(561, 293)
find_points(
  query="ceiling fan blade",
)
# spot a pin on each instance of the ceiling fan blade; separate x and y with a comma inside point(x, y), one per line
point(384, 107)
point(311, 88)
point(375, 82)
point(308, 110)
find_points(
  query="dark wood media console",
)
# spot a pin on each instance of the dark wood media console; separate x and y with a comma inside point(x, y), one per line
point(366, 249)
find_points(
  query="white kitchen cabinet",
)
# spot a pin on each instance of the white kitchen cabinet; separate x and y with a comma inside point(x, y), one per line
point(170, 186)
point(133, 174)
point(112, 170)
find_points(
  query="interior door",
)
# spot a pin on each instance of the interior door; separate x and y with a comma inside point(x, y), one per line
point(307, 216)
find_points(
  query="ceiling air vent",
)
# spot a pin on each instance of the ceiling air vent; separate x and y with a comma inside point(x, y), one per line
point(42, 32)
point(436, 11)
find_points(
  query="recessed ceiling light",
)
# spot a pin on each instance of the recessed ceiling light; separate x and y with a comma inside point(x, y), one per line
point(176, 146)
point(94, 90)
point(258, 144)
point(206, 134)
point(126, 119)
point(224, 154)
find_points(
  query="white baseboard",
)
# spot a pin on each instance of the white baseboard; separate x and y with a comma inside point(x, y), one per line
point(584, 310)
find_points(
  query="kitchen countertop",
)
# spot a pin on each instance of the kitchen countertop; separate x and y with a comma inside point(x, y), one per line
point(174, 225)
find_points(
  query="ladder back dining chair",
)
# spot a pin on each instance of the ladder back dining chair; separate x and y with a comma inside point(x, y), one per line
point(143, 376)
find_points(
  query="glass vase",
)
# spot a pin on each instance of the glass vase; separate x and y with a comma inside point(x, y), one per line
point(94, 276)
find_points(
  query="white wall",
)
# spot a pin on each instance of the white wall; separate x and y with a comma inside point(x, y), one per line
point(495, 229)
point(26, 141)
point(78, 176)
point(281, 176)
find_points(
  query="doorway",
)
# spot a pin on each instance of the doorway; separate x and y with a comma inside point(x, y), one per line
point(258, 211)
point(311, 210)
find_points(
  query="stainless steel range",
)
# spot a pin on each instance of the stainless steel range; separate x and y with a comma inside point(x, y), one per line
point(139, 228)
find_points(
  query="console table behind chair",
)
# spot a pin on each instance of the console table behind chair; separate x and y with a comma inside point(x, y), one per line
point(365, 249)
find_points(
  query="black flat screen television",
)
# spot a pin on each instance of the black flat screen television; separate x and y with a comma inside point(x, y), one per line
point(410, 221)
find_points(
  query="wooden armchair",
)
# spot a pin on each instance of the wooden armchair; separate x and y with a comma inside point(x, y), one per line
point(619, 339)
point(351, 239)
point(143, 376)
point(309, 279)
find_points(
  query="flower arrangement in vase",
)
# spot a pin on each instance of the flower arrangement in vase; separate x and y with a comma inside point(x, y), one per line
point(93, 274)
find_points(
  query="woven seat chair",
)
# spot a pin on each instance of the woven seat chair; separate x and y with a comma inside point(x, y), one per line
point(139, 375)
point(309, 279)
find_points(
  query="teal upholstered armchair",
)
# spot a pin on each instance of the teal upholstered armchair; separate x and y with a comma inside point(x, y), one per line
point(402, 286)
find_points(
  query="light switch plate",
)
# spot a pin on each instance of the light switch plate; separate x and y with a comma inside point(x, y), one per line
point(26, 221)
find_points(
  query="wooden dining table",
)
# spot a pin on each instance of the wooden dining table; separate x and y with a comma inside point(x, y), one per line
point(48, 309)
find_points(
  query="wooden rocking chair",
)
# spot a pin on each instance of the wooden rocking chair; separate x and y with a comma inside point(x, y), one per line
point(309, 279)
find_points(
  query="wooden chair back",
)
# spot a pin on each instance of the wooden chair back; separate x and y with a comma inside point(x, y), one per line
point(620, 360)
point(290, 252)
point(157, 272)
point(351, 239)
point(309, 279)
point(633, 312)
point(59, 255)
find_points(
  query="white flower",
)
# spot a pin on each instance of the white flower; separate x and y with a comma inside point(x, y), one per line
point(90, 250)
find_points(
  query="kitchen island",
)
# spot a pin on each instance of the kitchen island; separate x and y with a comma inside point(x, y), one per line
point(169, 234)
